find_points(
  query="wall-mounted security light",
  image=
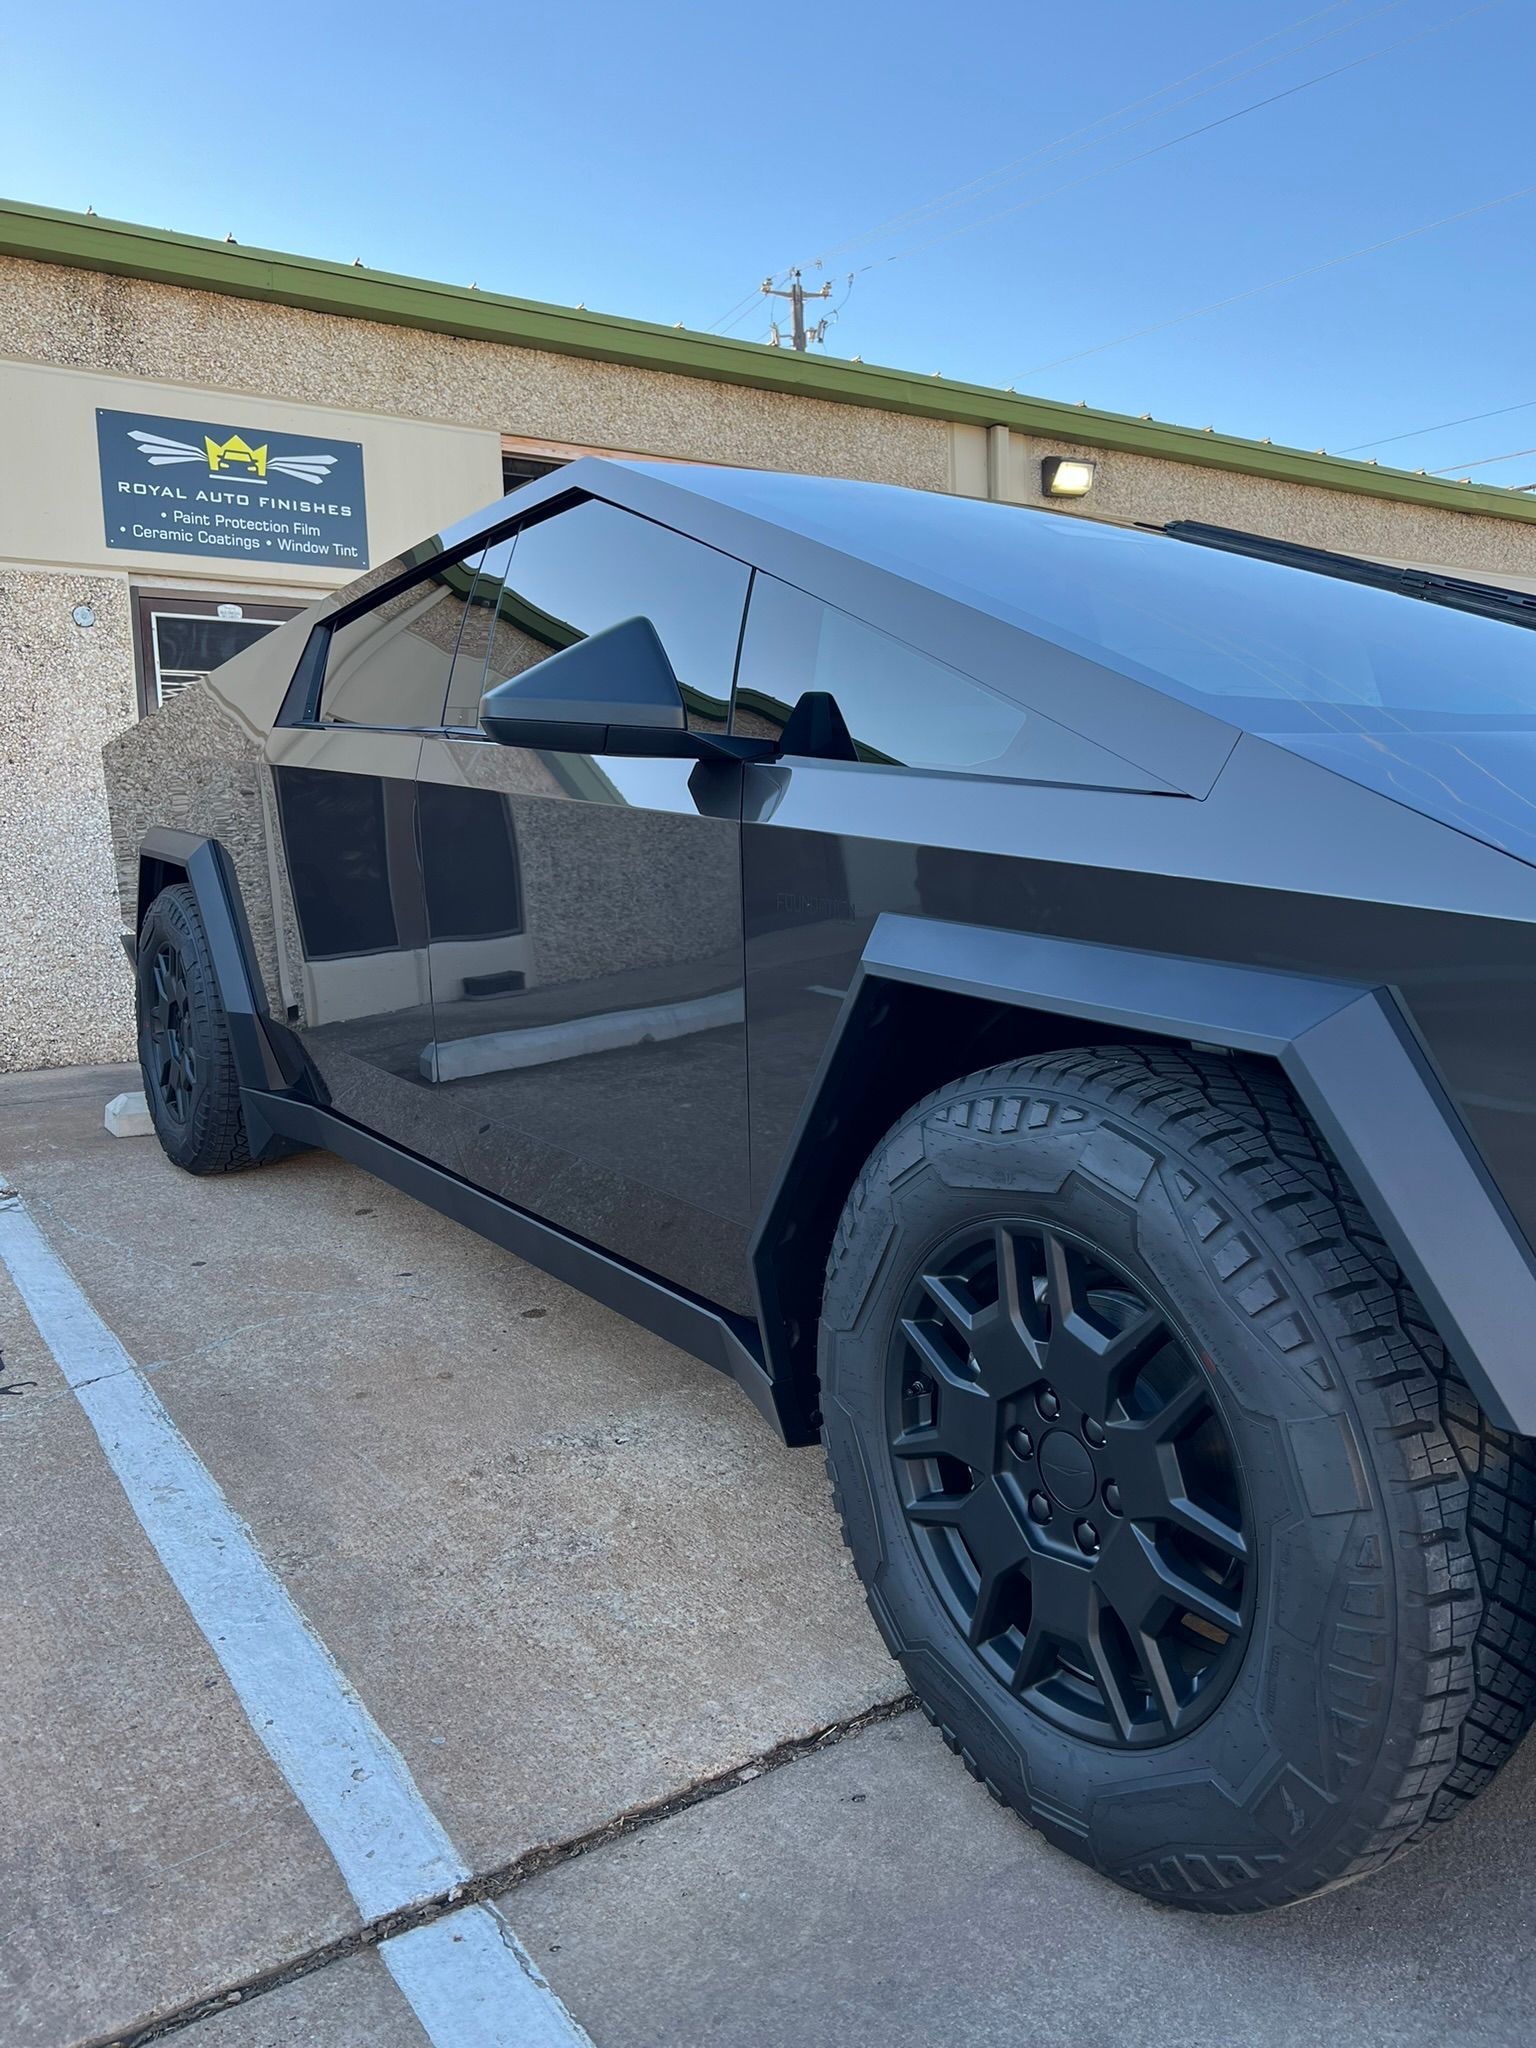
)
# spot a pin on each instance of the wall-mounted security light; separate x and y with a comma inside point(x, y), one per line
point(1066, 476)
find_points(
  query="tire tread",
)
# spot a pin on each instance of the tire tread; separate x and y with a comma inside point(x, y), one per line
point(218, 1141)
point(1468, 1486)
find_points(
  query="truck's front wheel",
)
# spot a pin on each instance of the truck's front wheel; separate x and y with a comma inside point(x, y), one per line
point(1188, 1536)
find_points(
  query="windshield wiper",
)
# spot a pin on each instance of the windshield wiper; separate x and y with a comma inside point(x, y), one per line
point(1461, 593)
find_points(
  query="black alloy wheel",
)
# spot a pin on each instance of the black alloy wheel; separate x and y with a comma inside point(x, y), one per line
point(1071, 1486)
point(172, 1058)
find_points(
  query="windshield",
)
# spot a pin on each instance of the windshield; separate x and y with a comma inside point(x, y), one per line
point(1271, 648)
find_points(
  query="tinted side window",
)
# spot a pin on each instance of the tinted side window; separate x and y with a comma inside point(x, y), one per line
point(337, 832)
point(469, 863)
point(390, 667)
point(900, 706)
point(468, 678)
point(593, 565)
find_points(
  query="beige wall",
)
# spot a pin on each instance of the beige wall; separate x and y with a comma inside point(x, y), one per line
point(1140, 487)
point(418, 477)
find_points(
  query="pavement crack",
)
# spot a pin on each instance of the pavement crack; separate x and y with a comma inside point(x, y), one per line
point(548, 1856)
point(492, 1886)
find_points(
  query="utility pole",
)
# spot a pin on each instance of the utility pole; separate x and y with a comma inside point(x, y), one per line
point(797, 296)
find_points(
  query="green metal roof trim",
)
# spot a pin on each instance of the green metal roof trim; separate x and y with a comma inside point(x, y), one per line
point(84, 241)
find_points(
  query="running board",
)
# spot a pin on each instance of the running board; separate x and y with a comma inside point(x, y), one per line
point(729, 1343)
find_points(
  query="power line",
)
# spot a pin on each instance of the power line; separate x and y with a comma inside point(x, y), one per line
point(1254, 106)
point(1414, 433)
point(743, 305)
point(1274, 284)
point(1484, 461)
point(991, 180)
point(927, 209)
point(734, 313)
point(1205, 128)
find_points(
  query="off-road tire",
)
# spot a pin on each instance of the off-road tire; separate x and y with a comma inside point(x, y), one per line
point(1389, 1665)
point(198, 1122)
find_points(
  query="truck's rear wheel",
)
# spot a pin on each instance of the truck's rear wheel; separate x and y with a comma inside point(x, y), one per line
point(1187, 1534)
point(190, 1082)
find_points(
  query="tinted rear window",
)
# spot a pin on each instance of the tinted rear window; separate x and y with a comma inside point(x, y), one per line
point(1269, 647)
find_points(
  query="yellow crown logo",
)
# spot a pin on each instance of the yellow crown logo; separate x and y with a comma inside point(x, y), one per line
point(235, 454)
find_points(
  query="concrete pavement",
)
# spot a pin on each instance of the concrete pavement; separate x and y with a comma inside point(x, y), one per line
point(576, 1583)
point(874, 1896)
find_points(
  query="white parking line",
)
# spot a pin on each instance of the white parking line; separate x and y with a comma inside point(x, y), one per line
point(454, 1973)
point(469, 1981)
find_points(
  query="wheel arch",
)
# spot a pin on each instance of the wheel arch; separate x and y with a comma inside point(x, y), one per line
point(932, 1001)
point(264, 1058)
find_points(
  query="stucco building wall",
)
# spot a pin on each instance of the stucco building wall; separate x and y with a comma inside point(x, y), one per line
point(65, 994)
point(1148, 490)
point(79, 319)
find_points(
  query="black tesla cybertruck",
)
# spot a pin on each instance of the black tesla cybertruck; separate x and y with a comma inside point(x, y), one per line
point(1049, 1008)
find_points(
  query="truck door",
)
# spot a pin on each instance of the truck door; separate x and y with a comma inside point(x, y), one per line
point(588, 1059)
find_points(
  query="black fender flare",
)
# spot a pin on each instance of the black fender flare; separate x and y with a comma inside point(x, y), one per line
point(266, 1058)
point(1348, 1049)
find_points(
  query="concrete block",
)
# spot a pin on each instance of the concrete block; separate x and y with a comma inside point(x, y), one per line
point(128, 1116)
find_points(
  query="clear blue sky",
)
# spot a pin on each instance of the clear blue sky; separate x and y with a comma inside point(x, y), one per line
point(657, 160)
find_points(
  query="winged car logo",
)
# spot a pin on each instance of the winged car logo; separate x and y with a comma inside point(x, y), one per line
point(232, 457)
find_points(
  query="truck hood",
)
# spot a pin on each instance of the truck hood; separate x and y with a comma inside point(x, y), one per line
point(1481, 782)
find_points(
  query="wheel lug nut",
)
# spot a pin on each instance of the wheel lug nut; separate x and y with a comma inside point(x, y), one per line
point(1048, 1404)
point(1021, 1443)
point(1039, 1507)
point(1094, 1432)
point(1112, 1497)
point(1087, 1538)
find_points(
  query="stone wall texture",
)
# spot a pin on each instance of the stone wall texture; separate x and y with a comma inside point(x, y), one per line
point(66, 996)
point(85, 319)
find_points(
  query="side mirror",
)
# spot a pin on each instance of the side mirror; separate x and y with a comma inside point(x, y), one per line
point(612, 693)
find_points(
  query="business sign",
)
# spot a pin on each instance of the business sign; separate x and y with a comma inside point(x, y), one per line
point(207, 489)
